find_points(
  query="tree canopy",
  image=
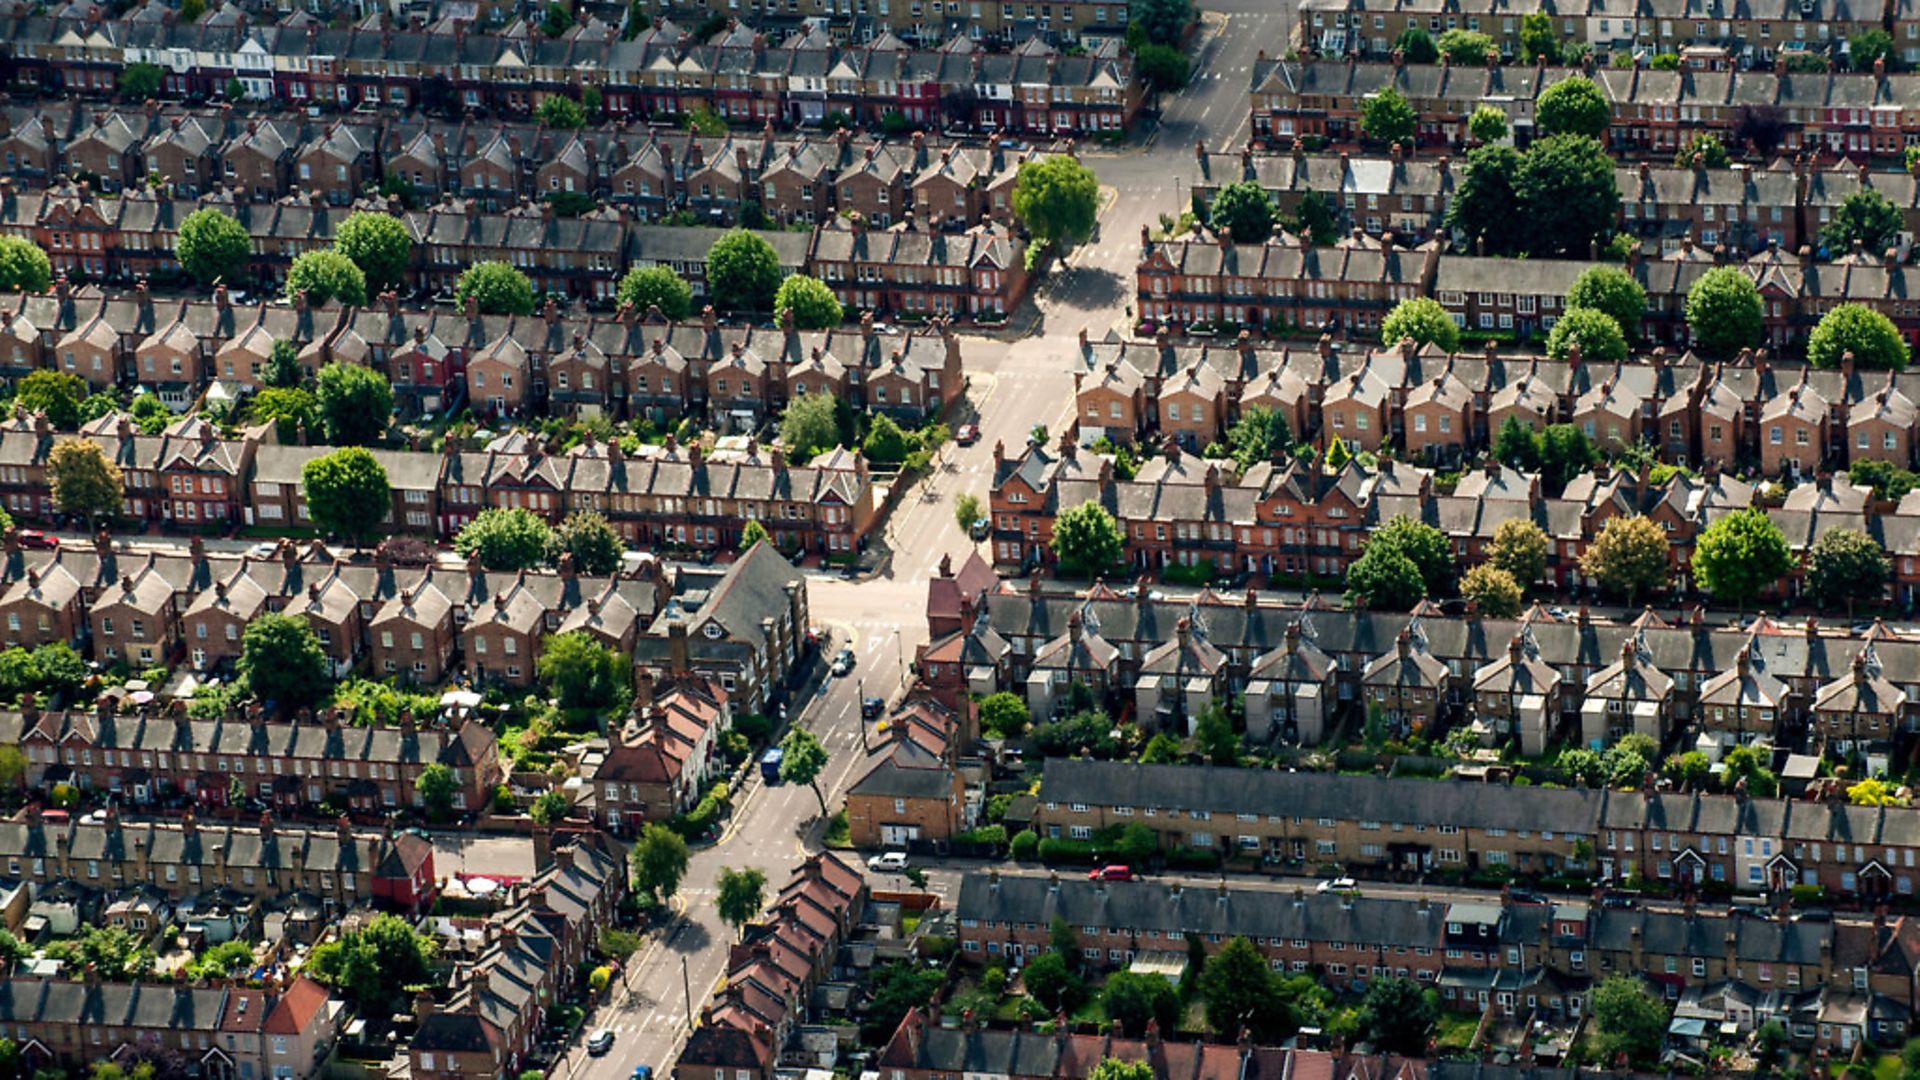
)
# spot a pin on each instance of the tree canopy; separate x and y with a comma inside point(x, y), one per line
point(802, 759)
point(1488, 124)
point(658, 287)
point(1573, 106)
point(659, 859)
point(1086, 539)
point(1057, 198)
point(741, 895)
point(282, 661)
point(1520, 548)
point(347, 492)
point(58, 394)
point(23, 266)
point(1628, 557)
point(1422, 319)
point(325, 276)
point(813, 305)
point(85, 481)
point(356, 403)
point(1723, 311)
point(743, 272)
point(380, 245)
point(505, 538)
point(1569, 193)
point(1858, 329)
point(809, 424)
point(1388, 117)
point(1629, 1022)
point(592, 541)
point(1614, 292)
point(1243, 211)
point(1595, 333)
point(496, 287)
point(582, 672)
point(1846, 567)
point(1486, 207)
point(212, 246)
point(1494, 592)
point(1739, 555)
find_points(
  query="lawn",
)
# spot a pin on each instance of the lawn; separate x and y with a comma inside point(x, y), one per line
point(1454, 1031)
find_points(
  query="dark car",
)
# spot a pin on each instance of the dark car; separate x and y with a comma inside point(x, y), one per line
point(872, 707)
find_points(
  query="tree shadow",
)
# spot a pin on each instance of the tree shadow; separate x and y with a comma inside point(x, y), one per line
point(689, 937)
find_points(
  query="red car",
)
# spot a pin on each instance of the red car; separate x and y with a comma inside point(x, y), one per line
point(34, 538)
point(1110, 873)
point(967, 434)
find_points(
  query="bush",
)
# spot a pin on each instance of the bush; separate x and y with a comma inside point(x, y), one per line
point(1024, 846)
point(1055, 850)
point(986, 834)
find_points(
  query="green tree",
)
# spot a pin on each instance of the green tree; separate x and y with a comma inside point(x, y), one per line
point(1565, 452)
point(23, 266)
point(555, 19)
point(813, 305)
point(1086, 539)
point(1629, 1022)
point(1865, 217)
point(1888, 481)
point(1689, 769)
point(282, 661)
point(377, 967)
point(551, 806)
point(582, 672)
point(1593, 330)
point(1484, 209)
point(1313, 219)
point(1705, 146)
point(1132, 999)
point(802, 760)
point(55, 393)
point(1573, 106)
point(1384, 579)
point(1495, 593)
point(282, 370)
point(1517, 445)
point(1004, 715)
point(497, 288)
point(1260, 434)
point(1051, 980)
point(1243, 211)
point(1416, 46)
point(1868, 46)
point(505, 539)
point(1538, 38)
point(1520, 548)
point(560, 112)
point(1465, 47)
point(660, 859)
point(1613, 291)
point(1858, 329)
point(1488, 124)
point(1213, 735)
point(1628, 557)
point(885, 444)
point(1240, 993)
point(356, 403)
point(1743, 766)
point(1427, 546)
point(809, 424)
point(1117, 1069)
point(347, 492)
point(593, 542)
point(741, 895)
point(13, 772)
point(1423, 320)
point(966, 511)
point(212, 246)
point(1163, 21)
point(753, 533)
point(1056, 198)
point(1387, 117)
point(140, 81)
point(657, 286)
point(743, 272)
point(1873, 791)
point(380, 245)
point(1398, 1014)
point(1162, 67)
point(1847, 567)
point(892, 990)
point(1569, 195)
point(85, 482)
point(1723, 311)
point(435, 787)
point(109, 951)
point(1739, 555)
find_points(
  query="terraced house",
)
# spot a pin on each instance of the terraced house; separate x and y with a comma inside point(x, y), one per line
point(744, 77)
point(1859, 115)
point(1513, 959)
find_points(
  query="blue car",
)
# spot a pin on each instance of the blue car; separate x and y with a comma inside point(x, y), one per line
point(643, 1072)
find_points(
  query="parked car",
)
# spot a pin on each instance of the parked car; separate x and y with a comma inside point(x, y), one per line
point(1339, 884)
point(967, 434)
point(872, 707)
point(600, 1041)
point(980, 527)
point(891, 862)
point(843, 662)
point(643, 1072)
point(1110, 873)
point(34, 538)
